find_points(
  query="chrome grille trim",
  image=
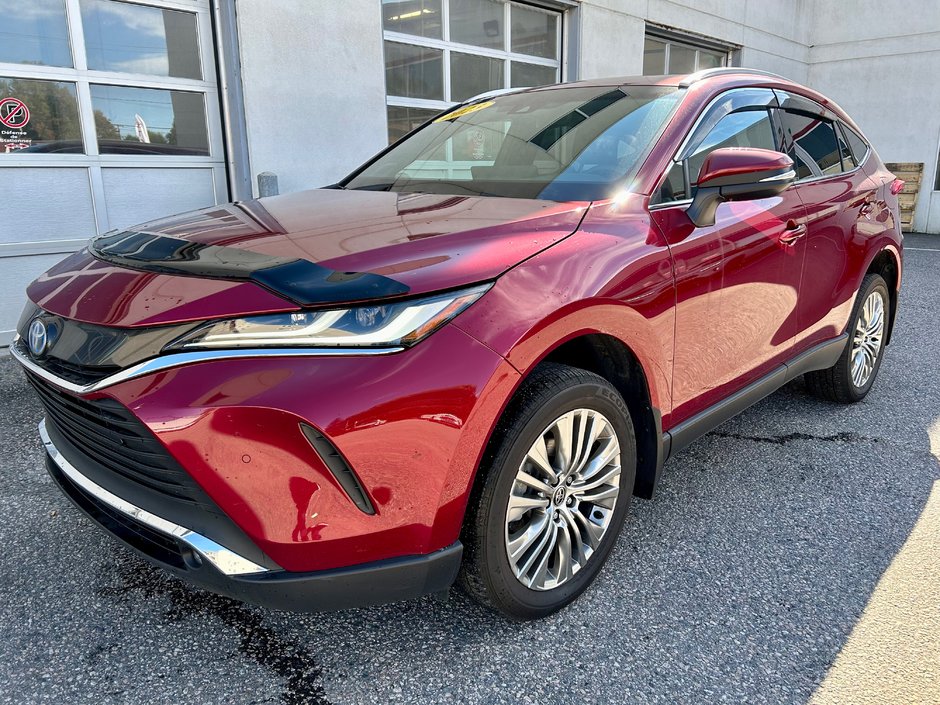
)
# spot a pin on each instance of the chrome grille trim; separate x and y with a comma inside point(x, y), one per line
point(165, 362)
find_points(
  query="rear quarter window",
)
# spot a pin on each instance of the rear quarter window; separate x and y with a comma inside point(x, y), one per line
point(815, 145)
point(858, 146)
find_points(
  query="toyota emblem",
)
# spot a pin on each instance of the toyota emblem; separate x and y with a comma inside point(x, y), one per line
point(38, 338)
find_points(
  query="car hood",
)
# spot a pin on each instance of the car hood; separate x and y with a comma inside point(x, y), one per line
point(312, 248)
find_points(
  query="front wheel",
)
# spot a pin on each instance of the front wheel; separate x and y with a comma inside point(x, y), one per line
point(553, 494)
point(851, 378)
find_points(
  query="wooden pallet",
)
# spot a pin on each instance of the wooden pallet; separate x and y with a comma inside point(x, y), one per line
point(912, 173)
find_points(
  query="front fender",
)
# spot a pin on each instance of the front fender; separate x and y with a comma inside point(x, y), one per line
point(615, 278)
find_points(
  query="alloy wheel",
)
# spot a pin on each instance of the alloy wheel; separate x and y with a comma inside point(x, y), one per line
point(868, 340)
point(563, 499)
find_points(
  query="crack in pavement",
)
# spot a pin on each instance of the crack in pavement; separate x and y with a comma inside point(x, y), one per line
point(843, 437)
point(294, 664)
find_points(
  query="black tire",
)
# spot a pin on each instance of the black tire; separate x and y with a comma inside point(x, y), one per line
point(836, 383)
point(549, 392)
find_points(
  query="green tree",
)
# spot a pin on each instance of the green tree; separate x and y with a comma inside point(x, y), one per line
point(106, 129)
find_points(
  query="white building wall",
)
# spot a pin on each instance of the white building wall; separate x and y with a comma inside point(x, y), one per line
point(772, 34)
point(880, 62)
point(313, 75)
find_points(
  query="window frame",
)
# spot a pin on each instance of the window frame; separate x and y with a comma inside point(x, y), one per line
point(669, 39)
point(846, 131)
point(92, 160)
point(836, 126)
point(447, 46)
point(779, 130)
point(832, 126)
point(681, 154)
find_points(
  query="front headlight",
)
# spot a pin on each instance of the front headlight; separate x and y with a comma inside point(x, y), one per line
point(378, 325)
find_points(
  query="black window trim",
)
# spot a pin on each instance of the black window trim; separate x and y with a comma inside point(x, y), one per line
point(822, 177)
point(823, 113)
point(847, 129)
point(684, 145)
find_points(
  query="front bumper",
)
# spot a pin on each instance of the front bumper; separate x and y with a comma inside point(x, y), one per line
point(204, 562)
point(213, 468)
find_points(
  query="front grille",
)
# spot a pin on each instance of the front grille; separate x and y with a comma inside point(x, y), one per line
point(111, 437)
point(146, 540)
point(69, 371)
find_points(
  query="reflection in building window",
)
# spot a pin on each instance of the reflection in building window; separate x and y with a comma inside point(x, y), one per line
point(484, 45)
point(149, 121)
point(39, 116)
point(34, 32)
point(666, 55)
point(139, 39)
point(402, 120)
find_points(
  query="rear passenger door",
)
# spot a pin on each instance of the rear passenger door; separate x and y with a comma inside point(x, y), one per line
point(838, 196)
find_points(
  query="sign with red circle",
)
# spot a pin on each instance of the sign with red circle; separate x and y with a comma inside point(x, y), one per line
point(13, 113)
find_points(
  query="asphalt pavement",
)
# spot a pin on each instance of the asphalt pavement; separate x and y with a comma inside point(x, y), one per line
point(791, 556)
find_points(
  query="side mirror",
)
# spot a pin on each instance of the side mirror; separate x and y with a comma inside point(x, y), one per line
point(738, 174)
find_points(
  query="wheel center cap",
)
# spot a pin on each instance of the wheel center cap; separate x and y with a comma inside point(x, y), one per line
point(559, 497)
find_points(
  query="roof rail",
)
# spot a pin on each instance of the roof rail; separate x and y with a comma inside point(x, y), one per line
point(724, 70)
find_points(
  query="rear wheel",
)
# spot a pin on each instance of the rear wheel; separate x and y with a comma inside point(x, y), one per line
point(851, 378)
point(552, 495)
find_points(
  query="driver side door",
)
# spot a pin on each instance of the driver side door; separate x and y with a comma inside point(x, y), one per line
point(737, 281)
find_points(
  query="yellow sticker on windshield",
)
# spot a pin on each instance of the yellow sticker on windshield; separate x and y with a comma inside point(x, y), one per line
point(466, 110)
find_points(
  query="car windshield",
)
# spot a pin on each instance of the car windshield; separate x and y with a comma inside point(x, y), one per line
point(563, 144)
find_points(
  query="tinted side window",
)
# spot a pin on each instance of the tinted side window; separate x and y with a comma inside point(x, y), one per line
point(815, 148)
point(857, 144)
point(673, 188)
point(750, 128)
point(848, 160)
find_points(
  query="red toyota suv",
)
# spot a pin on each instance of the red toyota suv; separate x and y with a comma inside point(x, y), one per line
point(464, 359)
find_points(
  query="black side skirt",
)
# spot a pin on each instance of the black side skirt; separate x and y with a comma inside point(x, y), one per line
point(819, 357)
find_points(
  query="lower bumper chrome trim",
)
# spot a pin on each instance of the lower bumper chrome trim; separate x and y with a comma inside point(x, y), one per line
point(226, 561)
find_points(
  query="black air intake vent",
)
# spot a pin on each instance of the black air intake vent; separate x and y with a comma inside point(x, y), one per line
point(337, 465)
point(108, 435)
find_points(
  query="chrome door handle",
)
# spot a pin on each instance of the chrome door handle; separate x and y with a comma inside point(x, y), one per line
point(793, 233)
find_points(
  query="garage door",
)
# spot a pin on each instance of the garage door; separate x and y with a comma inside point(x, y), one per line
point(109, 115)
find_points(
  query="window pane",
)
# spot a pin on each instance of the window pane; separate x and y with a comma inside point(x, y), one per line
point(681, 59)
point(534, 32)
point(746, 129)
point(673, 188)
point(859, 148)
point(557, 145)
point(34, 32)
point(471, 75)
point(477, 22)
point(421, 18)
point(138, 39)
point(708, 60)
point(39, 116)
point(815, 145)
point(526, 75)
point(414, 72)
point(402, 120)
point(149, 121)
point(654, 58)
point(848, 160)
